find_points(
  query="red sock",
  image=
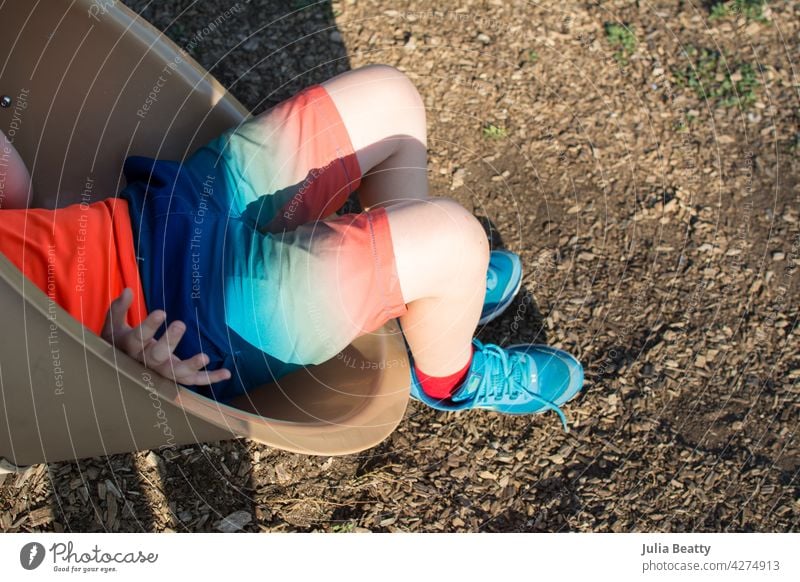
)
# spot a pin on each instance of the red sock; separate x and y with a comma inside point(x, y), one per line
point(443, 386)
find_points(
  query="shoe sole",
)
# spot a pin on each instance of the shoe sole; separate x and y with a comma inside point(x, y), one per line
point(503, 306)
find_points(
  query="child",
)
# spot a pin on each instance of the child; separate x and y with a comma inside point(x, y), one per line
point(245, 279)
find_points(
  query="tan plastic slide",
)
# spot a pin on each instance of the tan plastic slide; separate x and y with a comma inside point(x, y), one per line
point(81, 89)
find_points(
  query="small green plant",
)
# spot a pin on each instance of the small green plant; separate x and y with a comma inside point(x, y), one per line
point(346, 527)
point(622, 39)
point(685, 124)
point(494, 132)
point(710, 76)
point(533, 56)
point(750, 9)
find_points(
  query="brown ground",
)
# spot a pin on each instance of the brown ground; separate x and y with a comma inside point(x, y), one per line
point(661, 240)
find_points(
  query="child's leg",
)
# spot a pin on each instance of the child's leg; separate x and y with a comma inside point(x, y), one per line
point(304, 295)
point(441, 251)
point(298, 161)
point(385, 118)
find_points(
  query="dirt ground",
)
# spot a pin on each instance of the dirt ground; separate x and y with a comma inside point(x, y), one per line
point(660, 238)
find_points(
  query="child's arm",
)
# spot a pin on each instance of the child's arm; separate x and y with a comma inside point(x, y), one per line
point(157, 355)
point(15, 181)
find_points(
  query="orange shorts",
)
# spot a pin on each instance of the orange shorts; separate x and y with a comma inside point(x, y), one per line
point(81, 256)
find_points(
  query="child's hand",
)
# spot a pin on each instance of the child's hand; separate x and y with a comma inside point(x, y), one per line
point(156, 354)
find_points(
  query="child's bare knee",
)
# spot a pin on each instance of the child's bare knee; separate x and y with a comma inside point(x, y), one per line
point(461, 229)
point(437, 243)
point(392, 75)
point(399, 92)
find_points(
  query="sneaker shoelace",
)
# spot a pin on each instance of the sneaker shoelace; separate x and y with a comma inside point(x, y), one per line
point(516, 369)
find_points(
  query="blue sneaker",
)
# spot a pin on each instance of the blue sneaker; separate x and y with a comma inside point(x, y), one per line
point(521, 379)
point(503, 280)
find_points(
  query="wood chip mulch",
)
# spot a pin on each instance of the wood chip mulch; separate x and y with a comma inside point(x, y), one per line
point(660, 236)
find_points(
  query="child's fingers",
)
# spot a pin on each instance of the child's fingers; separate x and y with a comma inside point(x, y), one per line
point(119, 307)
point(139, 339)
point(197, 361)
point(161, 351)
point(203, 378)
point(115, 324)
point(192, 374)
